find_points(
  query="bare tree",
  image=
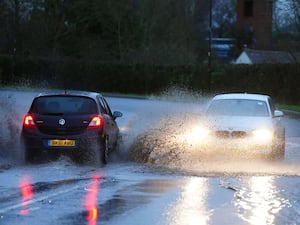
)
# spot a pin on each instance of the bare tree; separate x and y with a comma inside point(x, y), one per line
point(295, 5)
point(287, 25)
point(224, 17)
point(126, 30)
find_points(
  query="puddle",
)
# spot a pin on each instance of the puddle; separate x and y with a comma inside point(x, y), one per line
point(162, 146)
point(130, 198)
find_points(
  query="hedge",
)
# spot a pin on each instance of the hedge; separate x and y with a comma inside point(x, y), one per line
point(281, 81)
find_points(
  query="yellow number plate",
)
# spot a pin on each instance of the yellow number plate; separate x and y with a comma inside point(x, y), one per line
point(61, 143)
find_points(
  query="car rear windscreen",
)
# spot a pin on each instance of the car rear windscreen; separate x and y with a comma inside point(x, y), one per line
point(59, 105)
point(238, 107)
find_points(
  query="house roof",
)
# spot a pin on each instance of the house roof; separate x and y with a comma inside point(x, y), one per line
point(251, 56)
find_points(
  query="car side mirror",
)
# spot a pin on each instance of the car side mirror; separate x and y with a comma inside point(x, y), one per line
point(117, 114)
point(278, 113)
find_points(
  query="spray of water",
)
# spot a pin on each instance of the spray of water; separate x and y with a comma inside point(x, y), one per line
point(9, 129)
point(152, 135)
point(159, 142)
point(153, 118)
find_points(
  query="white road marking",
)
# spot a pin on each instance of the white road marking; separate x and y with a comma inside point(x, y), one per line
point(32, 201)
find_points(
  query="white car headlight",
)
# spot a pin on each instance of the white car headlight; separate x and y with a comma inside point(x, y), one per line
point(262, 134)
point(197, 134)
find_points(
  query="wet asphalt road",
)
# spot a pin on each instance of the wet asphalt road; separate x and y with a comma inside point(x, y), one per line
point(292, 125)
point(127, 193)
point(131, 194)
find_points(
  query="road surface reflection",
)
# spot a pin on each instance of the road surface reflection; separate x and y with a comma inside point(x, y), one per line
point(261, 202)
point(26, 193)
point(90, 200)
point(190, 200)
point(191, 207)
point(32, 193)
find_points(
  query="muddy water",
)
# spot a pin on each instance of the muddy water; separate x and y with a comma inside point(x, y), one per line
point(152, 132)
point(10, 127)
point(163, 146)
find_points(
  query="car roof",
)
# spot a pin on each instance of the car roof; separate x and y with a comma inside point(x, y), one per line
point(70, 93)
point(242, 96)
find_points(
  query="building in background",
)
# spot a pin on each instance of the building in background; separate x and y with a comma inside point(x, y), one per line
point(251, 56)
point(254, 22)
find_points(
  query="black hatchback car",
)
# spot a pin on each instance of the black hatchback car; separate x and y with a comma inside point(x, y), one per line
point(76, 123)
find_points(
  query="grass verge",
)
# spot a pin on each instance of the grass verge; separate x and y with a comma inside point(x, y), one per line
point(295, 108)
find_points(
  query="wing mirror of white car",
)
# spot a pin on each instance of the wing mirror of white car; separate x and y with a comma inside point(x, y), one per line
point(278, 113)
point(117, 114)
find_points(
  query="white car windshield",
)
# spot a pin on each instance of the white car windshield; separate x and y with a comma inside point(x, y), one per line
point(238, 107)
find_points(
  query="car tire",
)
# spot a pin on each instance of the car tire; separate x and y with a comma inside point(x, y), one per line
point(114, 153)
point(104, 151)
point(27, 153)
point(278, 152)
point(281, 150)
point(32, 156)
point(281, 147)
point(87, 153)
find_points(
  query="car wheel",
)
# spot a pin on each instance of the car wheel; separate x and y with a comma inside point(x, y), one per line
point(105, 150)
point(27, 153)
point(52, 156)
point(115, 153)
point(87, 153)
point(281, 147)
point(281, 150)
point(32, 156)
point(278, 150)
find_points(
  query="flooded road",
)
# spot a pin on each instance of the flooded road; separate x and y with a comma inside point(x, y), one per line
point(126, 192)
point(133, 194)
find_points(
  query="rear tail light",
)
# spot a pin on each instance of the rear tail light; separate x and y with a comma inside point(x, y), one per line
point(96, 122)
point(28, 121)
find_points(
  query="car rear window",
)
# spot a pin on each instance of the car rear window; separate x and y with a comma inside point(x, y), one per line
point(58, 105)
point(238, 107)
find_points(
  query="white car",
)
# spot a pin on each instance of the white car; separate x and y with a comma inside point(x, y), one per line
point(243, 123)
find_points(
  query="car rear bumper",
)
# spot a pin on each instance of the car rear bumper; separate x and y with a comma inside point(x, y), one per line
point(37, 141)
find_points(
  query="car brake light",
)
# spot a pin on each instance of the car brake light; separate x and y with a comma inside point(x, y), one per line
point(96, 122)
point(28, 121)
